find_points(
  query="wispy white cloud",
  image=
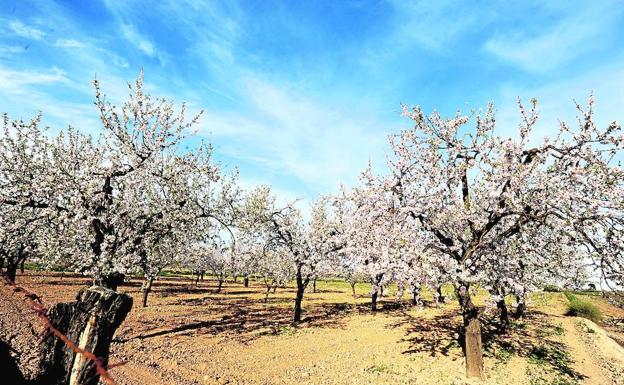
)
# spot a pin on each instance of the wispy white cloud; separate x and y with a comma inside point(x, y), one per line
point(69, 43)
point(10, 50)
point(294, 135)
point(556, 43)
point(142, 42)
point(131, 34)
point(23, 30)
point(13, 81)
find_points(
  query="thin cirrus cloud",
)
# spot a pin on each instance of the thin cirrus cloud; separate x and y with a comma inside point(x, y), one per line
point(26, 31)
point(303, 95)
point(579, 31)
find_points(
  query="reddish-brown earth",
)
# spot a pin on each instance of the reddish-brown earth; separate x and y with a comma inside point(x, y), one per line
point(191, 335)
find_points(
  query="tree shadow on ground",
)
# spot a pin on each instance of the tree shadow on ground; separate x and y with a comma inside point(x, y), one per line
point(8, 367)
point(244, 317)
point(434, 335)
point(246, 321)
point(533, 337)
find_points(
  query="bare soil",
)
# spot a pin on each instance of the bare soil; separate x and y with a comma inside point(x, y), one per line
point(191, 335)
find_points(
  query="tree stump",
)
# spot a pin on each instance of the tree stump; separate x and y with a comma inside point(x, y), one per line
point(90, 323)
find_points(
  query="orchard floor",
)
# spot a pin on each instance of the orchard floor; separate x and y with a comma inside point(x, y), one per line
point(191, 335)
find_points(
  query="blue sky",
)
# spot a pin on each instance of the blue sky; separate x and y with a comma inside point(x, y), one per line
point(302, 94)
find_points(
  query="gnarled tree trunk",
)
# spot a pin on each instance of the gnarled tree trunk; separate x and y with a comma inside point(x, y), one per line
point(146, 288)
point(11, 270)
point(374, 301)
point(266, 295)
point(12, 262)
point(521, 306)
point(440, 298)
point(503, 315)
point(90, 323)
point(353, 289)
point(301, 285)
point(110, 281)
point(416, 296)
point(246, 281)
point(470, 334)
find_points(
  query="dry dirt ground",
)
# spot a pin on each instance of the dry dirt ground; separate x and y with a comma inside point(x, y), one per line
point(191, 335)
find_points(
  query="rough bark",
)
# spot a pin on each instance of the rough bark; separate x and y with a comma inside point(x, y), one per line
point(22, 266)
point(374, 301)
point(11, 270)
point(353, 289)
point(220, 285)
point(416, 296)
point(110, 281)
point(90, 322)
point(246, 281)
point(146, 289)
point(266, 295)
point(503, 314)
point(470, 334)
point(301, 285)
point(521, 308)
point(12, 262)
point(314, 286)
point(440, 298)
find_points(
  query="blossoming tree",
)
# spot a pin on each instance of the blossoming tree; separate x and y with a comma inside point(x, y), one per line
point(466, 190)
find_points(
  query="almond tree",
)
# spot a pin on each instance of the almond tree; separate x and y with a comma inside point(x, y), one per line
point(468, 190)
point(371, 233)
point(99, 182)
point(27, 201)
point(286, 233)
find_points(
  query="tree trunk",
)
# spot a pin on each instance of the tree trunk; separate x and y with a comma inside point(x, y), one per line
point(201, 276)
point(416, 296)
point(266, 295)
point(353, 289)
point(246, 281)
point(301, 284)
point(1, 264)
point(274, 289)
point(11, 270)
point(470, 334)
point(13, 262)
point(314, 286)
point(440, 295)
point(110, 281)
point(198, 274)
point(521, 308)
point(220, 285)
point(235, 278)
point(22, 266)
point(146, 288)
point(374, 301)
point(380, 291)
point(90, 322)
point(503, 314)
